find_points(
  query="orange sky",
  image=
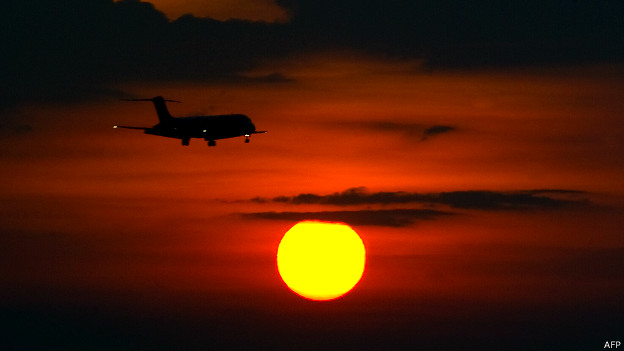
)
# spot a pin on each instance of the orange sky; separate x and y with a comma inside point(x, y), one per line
point(87, 207)
point(475, 147)
point(517, 130)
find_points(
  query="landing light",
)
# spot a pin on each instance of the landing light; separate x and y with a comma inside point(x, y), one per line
point(114, 126)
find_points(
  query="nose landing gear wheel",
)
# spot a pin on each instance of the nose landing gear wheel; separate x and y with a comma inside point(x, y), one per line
point(212, 143)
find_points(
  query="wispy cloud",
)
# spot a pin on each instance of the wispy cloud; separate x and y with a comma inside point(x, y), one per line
point(387, 218)
point(471, 199)
point(484, 200)
point(436, 130)
point(413, 131)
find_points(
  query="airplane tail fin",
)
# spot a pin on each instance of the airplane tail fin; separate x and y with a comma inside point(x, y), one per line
point(161, 107)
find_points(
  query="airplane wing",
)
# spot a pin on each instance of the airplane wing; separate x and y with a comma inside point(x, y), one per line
point(260, 132)
point(127, 127)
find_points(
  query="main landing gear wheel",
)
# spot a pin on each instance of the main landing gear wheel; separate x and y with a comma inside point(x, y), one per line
point(212, 143)
point(186, 141)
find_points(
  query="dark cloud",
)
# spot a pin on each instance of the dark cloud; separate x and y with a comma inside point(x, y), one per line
point(353, 196)
point(387, 218)
point(468, 34)
point(69, 50)
point(78, 49)
point(436, 130)
point(492, 200)
point(541, 199)
point(412, 131)
point(472, 199)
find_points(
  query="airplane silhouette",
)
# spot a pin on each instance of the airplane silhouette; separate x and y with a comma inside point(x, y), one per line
point(209, 128)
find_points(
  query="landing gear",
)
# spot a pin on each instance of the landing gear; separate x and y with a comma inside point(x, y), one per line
point(186, 141)
point(212, 143)
point(246, 138)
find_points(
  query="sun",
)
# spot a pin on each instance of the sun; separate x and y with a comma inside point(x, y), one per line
point(321, 260)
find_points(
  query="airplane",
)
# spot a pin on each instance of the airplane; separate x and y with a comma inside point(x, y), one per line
point(209, 128)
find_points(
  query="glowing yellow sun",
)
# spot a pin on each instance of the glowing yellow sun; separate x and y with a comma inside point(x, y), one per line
point(321, 260)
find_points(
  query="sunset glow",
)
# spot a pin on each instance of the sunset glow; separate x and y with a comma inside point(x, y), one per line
point(476, 148)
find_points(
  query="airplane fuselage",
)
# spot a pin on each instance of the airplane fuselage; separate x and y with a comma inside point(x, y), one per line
point(205, 127)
